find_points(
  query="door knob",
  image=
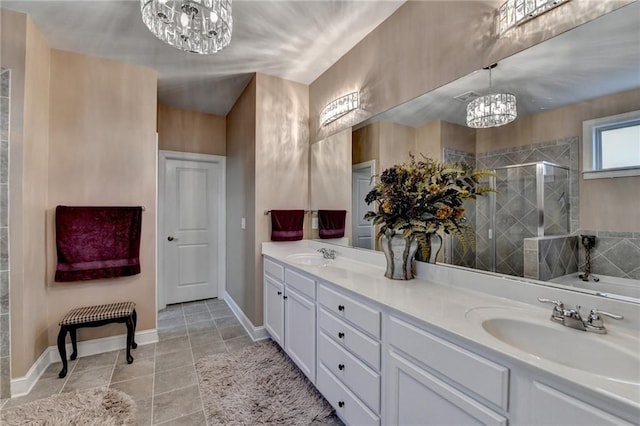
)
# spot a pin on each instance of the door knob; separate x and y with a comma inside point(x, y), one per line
point(170, 238)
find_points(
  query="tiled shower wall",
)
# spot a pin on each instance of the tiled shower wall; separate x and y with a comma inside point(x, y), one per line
point(5, 377)
point(616, 254)
point(510, 244)
point(546, 258)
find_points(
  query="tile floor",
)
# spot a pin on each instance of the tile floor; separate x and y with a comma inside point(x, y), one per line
point(162, 379)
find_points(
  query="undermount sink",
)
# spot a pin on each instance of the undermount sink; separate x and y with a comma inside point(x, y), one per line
point(309, 259)
point(589, 352)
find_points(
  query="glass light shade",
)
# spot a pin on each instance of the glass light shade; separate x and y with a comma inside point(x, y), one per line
point(491, 110)
point(339, 107)
point(199, 26)
point(516, 12)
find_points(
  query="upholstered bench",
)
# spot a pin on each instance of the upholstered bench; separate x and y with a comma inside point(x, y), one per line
point(95, 316)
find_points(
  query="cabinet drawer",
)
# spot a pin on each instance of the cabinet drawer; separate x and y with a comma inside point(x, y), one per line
point(348, 407)
point(303, 284)
point(367, 349)
point(364, 317)
point(360, 379)
point(484, 377)
point(274, 269)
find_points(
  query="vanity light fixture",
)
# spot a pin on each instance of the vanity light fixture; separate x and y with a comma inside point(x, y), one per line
point(492, 110)
point(339, 107)
point(198, 26)
point(517, 12)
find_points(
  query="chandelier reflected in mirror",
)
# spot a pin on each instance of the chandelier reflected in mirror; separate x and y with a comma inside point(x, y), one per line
point(198, 26)
point(492, 110)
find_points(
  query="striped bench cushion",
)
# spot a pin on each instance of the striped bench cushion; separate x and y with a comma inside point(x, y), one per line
point(98, 313)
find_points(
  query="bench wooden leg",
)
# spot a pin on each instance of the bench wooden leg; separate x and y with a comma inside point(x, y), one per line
point(134, 316)
point(63, 351)
point(74, 343)
point(130, 331)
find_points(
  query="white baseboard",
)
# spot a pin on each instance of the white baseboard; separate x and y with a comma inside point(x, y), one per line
point(256, 333)
point(23, 385)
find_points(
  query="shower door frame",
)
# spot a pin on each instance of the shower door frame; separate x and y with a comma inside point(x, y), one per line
point(540, 165)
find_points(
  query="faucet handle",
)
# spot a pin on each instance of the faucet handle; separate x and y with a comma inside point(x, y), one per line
point(559, 304)
point(558, 312)
point(595, 323)
point(595, 313)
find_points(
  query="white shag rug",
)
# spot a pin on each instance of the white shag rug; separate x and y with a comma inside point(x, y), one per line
point(92, 407)
point(259, 385)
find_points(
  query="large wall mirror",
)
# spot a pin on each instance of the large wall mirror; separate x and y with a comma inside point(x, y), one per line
point(531, 226)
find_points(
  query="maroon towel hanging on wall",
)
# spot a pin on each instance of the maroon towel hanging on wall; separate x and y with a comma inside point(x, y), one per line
point(331, 223)
point(287, 225)
point(97, 242)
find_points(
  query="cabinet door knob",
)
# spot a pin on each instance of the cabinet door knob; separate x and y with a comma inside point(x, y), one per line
point(285, 297)
point(170, 238)
point(340, 366)
point(341, 335)
point(341, 307)
point(279, 293)
point(340, 404)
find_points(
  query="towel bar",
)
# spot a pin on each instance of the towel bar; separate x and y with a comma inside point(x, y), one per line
point(266, 212)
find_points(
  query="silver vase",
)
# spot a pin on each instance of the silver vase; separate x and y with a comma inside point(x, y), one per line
point(399, 252)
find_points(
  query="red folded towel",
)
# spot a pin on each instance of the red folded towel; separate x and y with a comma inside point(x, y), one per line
point(331, 223)
point(287, 225)
point(97, 242)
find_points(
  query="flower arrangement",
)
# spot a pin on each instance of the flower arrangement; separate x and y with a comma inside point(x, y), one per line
point(422, 197)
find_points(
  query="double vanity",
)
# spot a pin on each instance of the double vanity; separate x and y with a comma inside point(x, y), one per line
point(452, 346)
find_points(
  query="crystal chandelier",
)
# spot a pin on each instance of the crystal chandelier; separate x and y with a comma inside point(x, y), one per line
point(198, 26)
point(491, 110)
point(516, 12)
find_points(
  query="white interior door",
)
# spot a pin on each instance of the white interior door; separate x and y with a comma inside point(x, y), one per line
point(192, 208)
point(362, 184)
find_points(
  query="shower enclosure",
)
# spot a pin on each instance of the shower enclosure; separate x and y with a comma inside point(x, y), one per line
point(531, 200)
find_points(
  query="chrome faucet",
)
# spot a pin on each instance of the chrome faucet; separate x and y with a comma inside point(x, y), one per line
point(327, 253)
point(573, 319)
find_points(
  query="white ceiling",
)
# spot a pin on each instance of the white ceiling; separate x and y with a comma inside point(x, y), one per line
point(598, 58)
point(294, 40)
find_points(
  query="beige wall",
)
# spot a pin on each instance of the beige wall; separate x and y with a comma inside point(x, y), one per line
point(102, 151)
point(331, 175)
point(605, 204)
point(409, 55)
point(282, 161)
point(25, 51)
point(365, 144)
point(191, 131)
point(33, 334)
point(460, 138)
point(241, 188)
point(267, 168)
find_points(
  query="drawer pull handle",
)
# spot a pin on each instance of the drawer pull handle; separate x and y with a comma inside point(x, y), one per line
point(341, 307)
point(340, 404)
point(340, 366)
point(341, 335)
point(279, 293)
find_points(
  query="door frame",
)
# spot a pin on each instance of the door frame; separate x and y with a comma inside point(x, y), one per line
point(220, 201)
point(371, 164)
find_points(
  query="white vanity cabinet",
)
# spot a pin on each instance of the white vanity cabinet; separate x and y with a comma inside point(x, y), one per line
point(349, 355)
point(430, 381)
point(290, 314)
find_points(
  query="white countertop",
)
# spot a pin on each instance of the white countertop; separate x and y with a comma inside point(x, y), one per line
point(444, 304)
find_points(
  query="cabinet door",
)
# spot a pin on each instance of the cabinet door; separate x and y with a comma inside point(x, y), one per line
point(273, 309)
point(300, 332)
point(549, 406)
point(415, 397)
